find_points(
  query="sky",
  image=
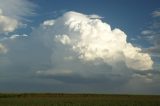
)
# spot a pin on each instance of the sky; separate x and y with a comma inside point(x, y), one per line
point(101, 46)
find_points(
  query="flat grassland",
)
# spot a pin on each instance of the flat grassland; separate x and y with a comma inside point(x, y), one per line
point(48, 99)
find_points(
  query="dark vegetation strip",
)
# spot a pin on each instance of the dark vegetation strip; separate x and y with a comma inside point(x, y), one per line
point(25, 95)
point(61, 99)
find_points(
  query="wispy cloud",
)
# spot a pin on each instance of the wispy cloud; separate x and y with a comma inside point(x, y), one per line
point(12, 13)
point(152, 34)
point(16, 36)
point(156, 13)
point(17, 9)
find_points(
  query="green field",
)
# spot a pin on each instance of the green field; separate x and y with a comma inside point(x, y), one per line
point(77, 100)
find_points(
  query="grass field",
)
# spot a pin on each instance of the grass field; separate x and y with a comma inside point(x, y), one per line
point(77, 100)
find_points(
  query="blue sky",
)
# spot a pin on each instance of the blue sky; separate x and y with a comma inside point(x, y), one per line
point(130, 16)
point(104, 46)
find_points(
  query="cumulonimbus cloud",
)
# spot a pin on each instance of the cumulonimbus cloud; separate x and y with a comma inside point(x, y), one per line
point(92, 40)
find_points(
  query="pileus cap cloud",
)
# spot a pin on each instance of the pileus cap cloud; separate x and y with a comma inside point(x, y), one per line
point(92, 39)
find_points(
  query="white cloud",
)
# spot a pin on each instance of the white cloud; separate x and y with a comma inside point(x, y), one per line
point(145, 78)
point(156, 13)
point(17, 35)
point(58, 72)
point(91, 40)
point(154, 51)
point(64, 39)
point(16, 9)
point(12, 12)
point(3, 49)
point(152, 35)
point(13, 37)
point(7, 24)
point(48, 23)
point(146, 32)
point(95, 16)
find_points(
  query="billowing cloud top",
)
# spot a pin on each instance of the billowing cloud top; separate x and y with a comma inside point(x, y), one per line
point(92, 40)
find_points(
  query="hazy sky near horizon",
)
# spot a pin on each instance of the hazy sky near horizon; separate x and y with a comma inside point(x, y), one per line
point(104, 46)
